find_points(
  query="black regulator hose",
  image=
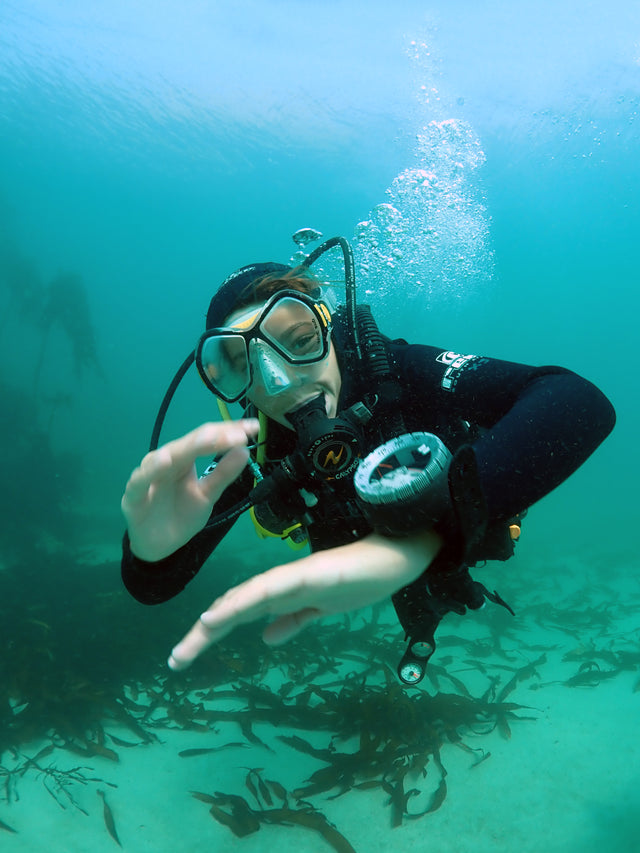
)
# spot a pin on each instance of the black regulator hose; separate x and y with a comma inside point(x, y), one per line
point(349, 280)
point(373, 345)
point(233, 512)
point(171, 390)
point(230, 515)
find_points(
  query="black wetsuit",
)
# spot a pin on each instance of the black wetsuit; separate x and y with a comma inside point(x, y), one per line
point(529, 427)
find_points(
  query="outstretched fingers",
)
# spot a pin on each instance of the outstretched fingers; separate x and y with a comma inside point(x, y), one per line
point(286, 627)
point(177, 458)
point(209, 439)
point(277, 591)
point(226, 471)
point(150, 470)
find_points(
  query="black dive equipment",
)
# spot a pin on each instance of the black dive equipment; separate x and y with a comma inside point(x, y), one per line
point(320, 468)
point(412, 666)
point(328, 446)
point(403, 485)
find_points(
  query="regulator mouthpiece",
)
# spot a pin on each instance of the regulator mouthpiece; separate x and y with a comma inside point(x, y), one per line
point(329, 446)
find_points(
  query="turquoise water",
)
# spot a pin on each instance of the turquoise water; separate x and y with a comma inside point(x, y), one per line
point(482, 158)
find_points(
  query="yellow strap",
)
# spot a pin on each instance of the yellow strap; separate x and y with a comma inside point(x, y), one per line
point(223, 409)
point(261, 531)
point(262, 438)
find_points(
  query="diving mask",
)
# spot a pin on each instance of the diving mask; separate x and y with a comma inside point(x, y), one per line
point(272, 343)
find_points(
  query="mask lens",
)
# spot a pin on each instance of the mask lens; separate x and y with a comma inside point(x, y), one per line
point(223, 361)
point(286, 325)
point(294, 330)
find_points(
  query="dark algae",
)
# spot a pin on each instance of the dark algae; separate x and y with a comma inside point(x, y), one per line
point(6, 827)
point(331, 696)
point(235, 813)
point(109, 822)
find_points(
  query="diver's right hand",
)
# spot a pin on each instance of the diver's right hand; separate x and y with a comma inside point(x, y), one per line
point(165, 504)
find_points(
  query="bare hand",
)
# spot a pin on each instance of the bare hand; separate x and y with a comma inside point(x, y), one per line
point(165, 503)
point(332, 581)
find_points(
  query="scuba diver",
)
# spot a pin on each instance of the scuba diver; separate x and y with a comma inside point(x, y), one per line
point(402, 465)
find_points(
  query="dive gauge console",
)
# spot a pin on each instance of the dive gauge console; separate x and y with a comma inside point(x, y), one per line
point(403, 484)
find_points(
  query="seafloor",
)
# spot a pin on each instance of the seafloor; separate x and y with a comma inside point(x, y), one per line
point(523, 737)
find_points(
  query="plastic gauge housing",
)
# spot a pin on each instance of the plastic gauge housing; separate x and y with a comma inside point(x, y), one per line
point(403, 485)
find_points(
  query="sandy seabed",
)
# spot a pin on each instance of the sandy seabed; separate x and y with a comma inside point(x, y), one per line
point(567, 779)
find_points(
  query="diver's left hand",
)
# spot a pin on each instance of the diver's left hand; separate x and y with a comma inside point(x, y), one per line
point(304, 591)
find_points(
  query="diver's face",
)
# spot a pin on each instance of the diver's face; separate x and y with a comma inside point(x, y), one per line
point(279, 384)
point(308, 382)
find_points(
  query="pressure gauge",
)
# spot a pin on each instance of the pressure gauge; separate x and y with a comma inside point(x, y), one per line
point(411, 672)
point(413, 665)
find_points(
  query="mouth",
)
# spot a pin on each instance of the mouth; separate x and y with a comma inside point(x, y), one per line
point(302, 403)
point(307, 413)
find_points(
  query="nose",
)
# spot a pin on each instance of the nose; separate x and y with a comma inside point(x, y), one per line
point(269, 369)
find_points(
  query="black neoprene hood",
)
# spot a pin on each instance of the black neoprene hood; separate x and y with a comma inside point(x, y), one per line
point(235, 286)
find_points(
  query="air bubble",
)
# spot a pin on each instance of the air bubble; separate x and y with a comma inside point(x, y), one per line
point(434, 224)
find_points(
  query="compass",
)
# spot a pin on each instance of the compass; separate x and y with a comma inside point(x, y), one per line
point(403, 485)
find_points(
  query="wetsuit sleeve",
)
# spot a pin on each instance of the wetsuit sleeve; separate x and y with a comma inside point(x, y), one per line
point(540, 423)
point(155, 582)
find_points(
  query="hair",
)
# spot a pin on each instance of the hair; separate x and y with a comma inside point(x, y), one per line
point(299, 278)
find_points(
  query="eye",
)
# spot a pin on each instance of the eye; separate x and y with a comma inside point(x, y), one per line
point(305, 342)
point(237, 362)
point(234, 353)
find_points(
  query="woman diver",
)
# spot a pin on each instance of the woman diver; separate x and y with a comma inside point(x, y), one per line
point(402, 465)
